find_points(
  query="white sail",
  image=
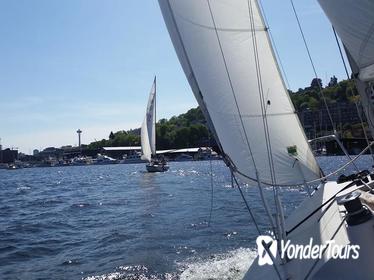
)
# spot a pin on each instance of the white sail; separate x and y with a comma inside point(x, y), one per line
point(148, 129)
point(224, 49)
point(353, 20)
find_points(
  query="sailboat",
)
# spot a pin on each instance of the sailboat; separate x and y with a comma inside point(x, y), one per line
point(148, 136)
point(225, 50)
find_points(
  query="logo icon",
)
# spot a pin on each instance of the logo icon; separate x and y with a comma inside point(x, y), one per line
point(267, 249)
point(266, 245)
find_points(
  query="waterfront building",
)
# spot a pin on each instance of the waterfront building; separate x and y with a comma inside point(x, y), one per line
point(8, 156)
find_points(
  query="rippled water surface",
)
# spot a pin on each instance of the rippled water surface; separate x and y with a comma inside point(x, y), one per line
point(119, 222)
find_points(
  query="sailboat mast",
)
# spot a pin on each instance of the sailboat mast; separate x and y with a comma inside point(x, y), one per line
point(155, 117)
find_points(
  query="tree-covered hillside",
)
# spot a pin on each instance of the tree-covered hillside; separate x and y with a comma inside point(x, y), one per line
point(190, 129)
point(185, 130)
point(335, 92)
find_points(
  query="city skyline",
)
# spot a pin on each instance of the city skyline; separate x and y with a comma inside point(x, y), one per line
point(82, 64)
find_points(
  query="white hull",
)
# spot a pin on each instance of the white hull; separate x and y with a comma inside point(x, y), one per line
point(326, 224)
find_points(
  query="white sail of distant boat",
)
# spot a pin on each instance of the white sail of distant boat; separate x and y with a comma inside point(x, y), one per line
point(226, 54)
point(148, 136)
point(148, 129)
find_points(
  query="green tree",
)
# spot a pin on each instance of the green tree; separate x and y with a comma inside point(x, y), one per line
point(316, 83)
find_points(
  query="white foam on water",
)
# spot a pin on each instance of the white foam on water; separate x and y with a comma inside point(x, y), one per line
point(137, 272)
point(110, 276)
point(227, 266)
point(23, 188)
point(230, 265)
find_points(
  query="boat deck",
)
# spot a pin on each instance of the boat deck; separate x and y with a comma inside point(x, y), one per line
point(325, 222)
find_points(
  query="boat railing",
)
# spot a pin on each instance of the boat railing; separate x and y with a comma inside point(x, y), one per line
point(324, 178)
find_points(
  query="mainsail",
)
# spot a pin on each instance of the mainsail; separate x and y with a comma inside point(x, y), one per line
point(148, 129)
point(353, 20)
point(225, 52)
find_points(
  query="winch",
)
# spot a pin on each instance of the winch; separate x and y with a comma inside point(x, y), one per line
point(357, 213)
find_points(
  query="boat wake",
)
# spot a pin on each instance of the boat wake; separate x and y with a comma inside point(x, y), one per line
point(231, 265)
point(137, 272)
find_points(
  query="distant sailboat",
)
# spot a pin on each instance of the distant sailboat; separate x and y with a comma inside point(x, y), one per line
point(148, 136)
point(226, 54)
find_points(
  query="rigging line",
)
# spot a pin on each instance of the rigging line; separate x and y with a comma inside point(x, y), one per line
point(340, 51)
point(154, 133)
point(362, 125)
point(238, 109)
point(253, 218)
point(261, 91)
point(279, 60)
point(231, 86)
point(314, 68)
point(342, 167)
point(264, 119)
point(368, 118)
point(211, 192)
point(351, 91)
point(261, 95)
point(211, 185)
point(192, 78)
point(273, 43)
point(359, 83)
point(268, 184)
point(277, 56)
point(324, 249)
point(328, 202)
point(246, 204)
point(265, 123)
point(365, 42)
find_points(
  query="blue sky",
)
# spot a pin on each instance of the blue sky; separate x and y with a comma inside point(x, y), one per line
point(89, 64)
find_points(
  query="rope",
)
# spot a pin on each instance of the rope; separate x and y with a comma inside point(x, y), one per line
point(231, 86)
point(261, 92)
point(328, 202)
point(321, 179)
point(324, 249)
point(211, 188)
point(340, 51)
point(263, 108)
point(314, 68)
point(234, 96)
point(252, 216)
point(246, 204)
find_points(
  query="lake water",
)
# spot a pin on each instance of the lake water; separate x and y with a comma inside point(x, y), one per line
point(119, 222)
